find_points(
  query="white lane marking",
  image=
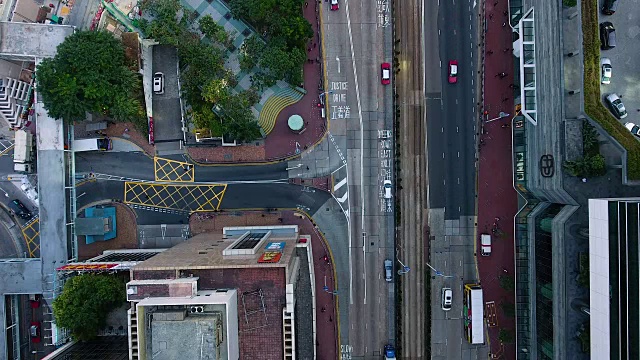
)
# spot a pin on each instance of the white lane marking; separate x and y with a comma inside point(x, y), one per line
point(340, 184)
point(343, 198)
point(338, 60)
point(355, 76)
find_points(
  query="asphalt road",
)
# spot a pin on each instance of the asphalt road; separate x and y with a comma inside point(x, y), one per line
point(237, 196)
point(357, 40)
point(451, 125)
point(140, 166)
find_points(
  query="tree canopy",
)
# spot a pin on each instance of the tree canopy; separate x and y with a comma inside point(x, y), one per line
point(89, 74)
point(85, 302)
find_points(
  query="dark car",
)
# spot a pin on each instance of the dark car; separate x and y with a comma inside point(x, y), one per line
point(18, 207)
point(607, 35)
point(609, 7)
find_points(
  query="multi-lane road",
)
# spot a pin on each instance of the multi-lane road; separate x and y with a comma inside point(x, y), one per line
point(357, 39)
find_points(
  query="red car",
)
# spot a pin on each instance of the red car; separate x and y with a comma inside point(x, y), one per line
point(453, 71)
point(334, 5)
point(386, 73)
point(34, 331)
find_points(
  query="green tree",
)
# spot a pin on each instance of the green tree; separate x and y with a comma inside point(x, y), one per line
point(212, 30)
point(295, 30)
point(283, 64)
point(89, 74)
point(505, 336)
point(508, 308)
point(85, 302)
point(238, 121)
point(215, 91)
point(507, 282)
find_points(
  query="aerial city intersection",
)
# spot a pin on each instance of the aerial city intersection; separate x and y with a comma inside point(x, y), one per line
point(295, 179)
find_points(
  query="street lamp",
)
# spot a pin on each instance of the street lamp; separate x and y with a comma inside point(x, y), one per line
point(438, 273)
point(326, 288)
point(405, 268)
point(321, 96)
point(500, 116)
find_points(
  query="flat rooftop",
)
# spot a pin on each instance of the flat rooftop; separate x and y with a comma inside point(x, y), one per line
point(32, 39)
point(204, 251)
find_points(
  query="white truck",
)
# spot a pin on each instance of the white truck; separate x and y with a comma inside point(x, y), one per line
point(485, 244)
point(23, 151)
point(93, 144)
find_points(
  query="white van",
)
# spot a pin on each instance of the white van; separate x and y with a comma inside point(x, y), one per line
point(485, 244)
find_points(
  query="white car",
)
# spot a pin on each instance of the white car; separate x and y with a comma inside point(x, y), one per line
point(633, 128)
point(447, 299)
point(606, 71)
point(158, 83)
point(387, 189)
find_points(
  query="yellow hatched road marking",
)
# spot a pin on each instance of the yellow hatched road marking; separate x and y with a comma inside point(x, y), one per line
point(175, 196)
point(173, 170)
point(31, 232)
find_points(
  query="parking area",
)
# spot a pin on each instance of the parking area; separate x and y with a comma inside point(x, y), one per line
point(167, 117)
point(625, 62)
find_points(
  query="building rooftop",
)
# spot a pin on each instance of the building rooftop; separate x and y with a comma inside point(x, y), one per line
point(23, 40)
point(205, 251)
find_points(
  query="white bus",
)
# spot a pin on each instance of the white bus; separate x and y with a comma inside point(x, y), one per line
point(94, 144)
point(473, 314)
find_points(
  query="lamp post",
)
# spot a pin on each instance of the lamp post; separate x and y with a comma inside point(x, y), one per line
point(321, 96)
point(500, 116)
point(326, 288)
point(438, 273)
point(405, 269)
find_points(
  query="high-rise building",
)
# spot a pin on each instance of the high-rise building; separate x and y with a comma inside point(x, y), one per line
point(614, 278)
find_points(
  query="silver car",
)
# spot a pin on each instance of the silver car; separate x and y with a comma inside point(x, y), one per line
point(616, 106)
point(388, 268)
point(607, 69)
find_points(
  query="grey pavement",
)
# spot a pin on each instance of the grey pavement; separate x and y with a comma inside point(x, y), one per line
point(624, 58)
point(167, 113)
point(82, 14)
point(332, 222)
point(356, 42)
point(452, 253)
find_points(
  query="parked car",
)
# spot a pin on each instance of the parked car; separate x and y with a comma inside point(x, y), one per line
point(34, 331)
point(447, 299)
point(386, 73)
point(158, 83)
point(609, 7)
point(633, 128)
point(387, 189)
point(606, 71)
point(334, 5)
point(19, 209)
point(388, 270)
point(453, 71)
point(616, 106)
point(607, 35)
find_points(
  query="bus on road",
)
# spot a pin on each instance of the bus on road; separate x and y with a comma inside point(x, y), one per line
point(473, 311)
point(94, 144)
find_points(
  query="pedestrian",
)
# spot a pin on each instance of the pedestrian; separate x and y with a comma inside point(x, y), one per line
point(506, 50)
point(504, 24)
point(491, 52)
point(498, 74)
point(505, 99)
point(323, 309)
point(490, 16)
point(330, 319)
point(497, 218)
point(506, 12)
point(306, 4)
point(504, 126)
point(495, 3)
point(314, 45)
point(512, 86)
point(307, 168)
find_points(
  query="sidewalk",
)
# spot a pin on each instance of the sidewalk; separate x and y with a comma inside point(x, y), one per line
point(497, 200)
